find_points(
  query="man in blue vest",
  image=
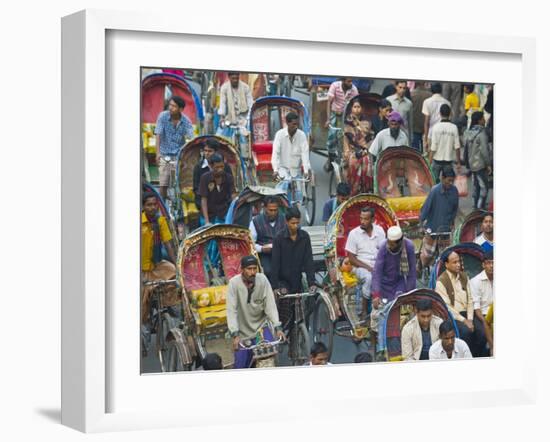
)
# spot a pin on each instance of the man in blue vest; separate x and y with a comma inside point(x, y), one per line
point(263, 228)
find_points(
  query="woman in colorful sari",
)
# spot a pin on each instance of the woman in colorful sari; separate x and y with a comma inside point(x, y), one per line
point(356, 162)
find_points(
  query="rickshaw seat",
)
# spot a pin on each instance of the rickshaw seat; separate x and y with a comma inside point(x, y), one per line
point(212, 316)
point(262, 161)
point(263, 147)
point(210, 305)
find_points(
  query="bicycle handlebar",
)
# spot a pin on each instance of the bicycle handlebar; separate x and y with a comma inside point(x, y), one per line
point(297, 295)
point(160, 282)
point(261, 344)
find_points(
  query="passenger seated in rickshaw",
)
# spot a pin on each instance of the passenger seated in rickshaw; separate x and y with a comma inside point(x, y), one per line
point(362, 247)
point(263, 229)
point(485, 238)
point(453, 286)
point(448, 346)
point(210, 148)
point(351, 282)
point(154, 235)
point(250, 303)
point(418, 335)
point(217, 190)
point(356, 162)
point(343, 192)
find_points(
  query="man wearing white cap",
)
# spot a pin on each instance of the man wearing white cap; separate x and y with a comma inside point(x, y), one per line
point(394, 271)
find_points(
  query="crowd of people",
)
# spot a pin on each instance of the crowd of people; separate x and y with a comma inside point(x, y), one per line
point(446, 123)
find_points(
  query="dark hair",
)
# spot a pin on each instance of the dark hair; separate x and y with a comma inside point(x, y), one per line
point(212, 361)
point(436, 88)
point(476, 118)
point(146, 196)
point(488, 255)
point(424, 304)
point(318, 348)
point(180, 102)
point(362, 357)
point(447, 255)
point(384, 103)
point(446, 327)
point(445, 110)
point(212, 143)
point(368, 210)
point(216, 158)
point(291, 116)
point(469, 86)
point(448, 172)
point(343, 189)
point(229, 74)
point(270, 199)
point(400, 81)
point(293, 212)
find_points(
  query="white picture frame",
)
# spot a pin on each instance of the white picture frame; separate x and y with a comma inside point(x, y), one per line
point(91, 225)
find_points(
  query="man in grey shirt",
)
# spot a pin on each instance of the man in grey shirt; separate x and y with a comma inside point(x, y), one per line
point(250, 306)
point(400, 103)
point(394, 135)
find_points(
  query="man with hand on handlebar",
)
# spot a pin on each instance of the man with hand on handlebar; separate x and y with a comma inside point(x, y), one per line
point(290, 152)
point(250, 303)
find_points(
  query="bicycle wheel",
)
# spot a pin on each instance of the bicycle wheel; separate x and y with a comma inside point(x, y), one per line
point(162, 332)
point(175, 358)
point(301, 345)
point(322, 328)
point(307, 207)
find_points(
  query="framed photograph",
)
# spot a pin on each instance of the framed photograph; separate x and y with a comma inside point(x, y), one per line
point(109, 382)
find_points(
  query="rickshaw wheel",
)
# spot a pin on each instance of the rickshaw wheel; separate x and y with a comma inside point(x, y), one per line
point(301, 345)
point(322, 327)
point(174, 358)
point(162, 332)
point(308, 204)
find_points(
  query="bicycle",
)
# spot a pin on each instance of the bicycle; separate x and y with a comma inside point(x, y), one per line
point(296, 329)
point(238, 133)
point(303, 198)
point(163, 320)
point(442, 240)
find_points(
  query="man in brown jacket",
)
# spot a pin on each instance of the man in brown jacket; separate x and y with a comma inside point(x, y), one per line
point(453, 286)
point(420, 332)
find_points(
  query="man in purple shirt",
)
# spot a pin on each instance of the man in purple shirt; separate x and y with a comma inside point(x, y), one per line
point(394, 272)
point(395, 267)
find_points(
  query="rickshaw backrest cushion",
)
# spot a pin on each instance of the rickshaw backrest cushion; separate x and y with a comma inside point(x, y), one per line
point(209, 296)
point(407, 207)
point(213, 316)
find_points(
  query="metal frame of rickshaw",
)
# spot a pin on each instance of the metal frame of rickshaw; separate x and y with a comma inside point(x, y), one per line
point(334, 285)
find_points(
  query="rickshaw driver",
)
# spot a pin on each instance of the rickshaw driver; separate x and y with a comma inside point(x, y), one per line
point(154, 234)
point(290, 154)
point(250, 304)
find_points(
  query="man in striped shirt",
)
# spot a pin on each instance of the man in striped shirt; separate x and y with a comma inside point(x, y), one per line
point(340, 94)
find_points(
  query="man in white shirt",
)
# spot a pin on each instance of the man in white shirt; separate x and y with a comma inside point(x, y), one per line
point(400, 103)
point(449, 346)
point(394, 135)
point(430, 109)
point(485, 238)
point(290, 154)
point(482, 289)
point(362, 247)
point(444, 143)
